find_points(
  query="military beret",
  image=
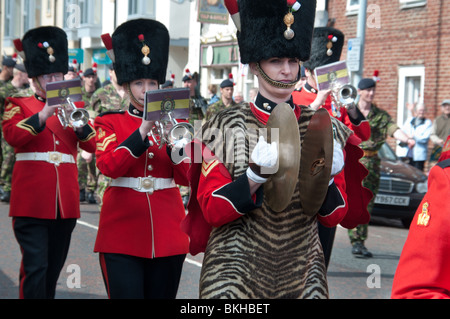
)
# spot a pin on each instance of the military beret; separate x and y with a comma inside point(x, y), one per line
point(9, 62)
point(167, 84)
point(88, 72)
point(366, 83)
point(226, 83)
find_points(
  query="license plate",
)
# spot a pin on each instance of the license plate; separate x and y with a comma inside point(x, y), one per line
point(392, 200)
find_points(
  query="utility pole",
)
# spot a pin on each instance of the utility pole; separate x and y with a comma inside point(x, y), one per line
point(361, 35)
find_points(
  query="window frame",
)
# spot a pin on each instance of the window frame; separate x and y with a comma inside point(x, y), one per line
point(405, 72)
point(406, 4)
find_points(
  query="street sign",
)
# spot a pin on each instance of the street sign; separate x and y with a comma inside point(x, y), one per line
point(353, 54)
point(77, 54)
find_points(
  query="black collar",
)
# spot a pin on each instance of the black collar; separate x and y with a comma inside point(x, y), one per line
point(267, 105)
point(39, 98)
point(134, 111)
point(310, 88)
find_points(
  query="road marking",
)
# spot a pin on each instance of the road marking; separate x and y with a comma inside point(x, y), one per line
point(193, 262)
point(188, 260)
point(87, 224)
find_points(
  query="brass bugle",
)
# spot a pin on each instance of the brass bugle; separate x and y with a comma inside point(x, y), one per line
point(345, 95)
point(70, 115)
point(180, 134)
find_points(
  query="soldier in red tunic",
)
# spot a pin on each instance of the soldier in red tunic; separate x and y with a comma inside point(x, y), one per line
point(45, 193)
point(141, 245)
point(252, 250)
point(423, 269)
point(326, 48)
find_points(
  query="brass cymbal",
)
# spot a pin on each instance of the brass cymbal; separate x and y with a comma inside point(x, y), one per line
point(315, 162)
point(283, 128)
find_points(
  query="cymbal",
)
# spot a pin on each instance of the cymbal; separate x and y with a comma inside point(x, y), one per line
point(283, 128)
point(316, 161)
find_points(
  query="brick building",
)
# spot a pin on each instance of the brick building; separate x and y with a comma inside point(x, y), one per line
point(408, 42)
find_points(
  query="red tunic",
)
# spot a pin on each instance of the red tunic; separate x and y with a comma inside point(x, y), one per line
point(38, 187)
point(361, 127)
point(423, 269)
point(217, 200)
point(131, 222)
point(348, 181)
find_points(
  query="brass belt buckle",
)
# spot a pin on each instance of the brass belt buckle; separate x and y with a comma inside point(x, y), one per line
point(147, 183)
point(55, 158)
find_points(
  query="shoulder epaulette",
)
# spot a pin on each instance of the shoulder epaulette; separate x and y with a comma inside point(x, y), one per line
point(112, 112)
point(444, 164)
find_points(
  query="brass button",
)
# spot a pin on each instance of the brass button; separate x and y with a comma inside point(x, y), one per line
point(151, 155)
point(150, 167)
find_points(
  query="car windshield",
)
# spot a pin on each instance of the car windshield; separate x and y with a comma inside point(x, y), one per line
point(387, 153)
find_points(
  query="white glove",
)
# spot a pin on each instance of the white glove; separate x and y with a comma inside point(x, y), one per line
point(265, 156)
point(338, 160)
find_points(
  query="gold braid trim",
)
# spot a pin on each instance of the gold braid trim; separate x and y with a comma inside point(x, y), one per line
point(130, 94)
point(274, 83)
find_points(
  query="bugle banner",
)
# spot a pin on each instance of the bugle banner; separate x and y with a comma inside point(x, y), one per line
point(58, 92)
point(332, 75)
point(159, 103)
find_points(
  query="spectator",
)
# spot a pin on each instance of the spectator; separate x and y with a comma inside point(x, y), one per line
point(252, 93)
point(212, 90)
point(440, 130)
point(238, 97)
point(419, 129)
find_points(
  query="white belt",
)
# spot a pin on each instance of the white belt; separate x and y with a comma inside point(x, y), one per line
point(50, 157)
point(144, 184)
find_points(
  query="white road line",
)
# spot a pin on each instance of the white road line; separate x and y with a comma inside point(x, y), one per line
point(190, 261)
point(193, 262)
point(86, 224)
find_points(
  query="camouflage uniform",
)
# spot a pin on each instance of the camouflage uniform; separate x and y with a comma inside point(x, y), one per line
point(86, 171)
point(382, 126)
point(105, 99)
point(216, 108)
point(197, 108)
point(8, 158)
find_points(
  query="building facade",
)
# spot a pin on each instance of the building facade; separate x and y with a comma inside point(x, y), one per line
point(407, 42)
point(85, 20)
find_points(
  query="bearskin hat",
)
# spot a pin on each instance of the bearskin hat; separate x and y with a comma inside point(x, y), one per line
point(141, 50)
point(261, 31)
point(45, 51)
point(326, 47)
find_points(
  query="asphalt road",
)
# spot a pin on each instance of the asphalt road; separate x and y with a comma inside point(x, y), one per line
point(349, 277)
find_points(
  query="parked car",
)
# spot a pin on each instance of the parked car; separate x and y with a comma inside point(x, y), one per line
point(402, 188)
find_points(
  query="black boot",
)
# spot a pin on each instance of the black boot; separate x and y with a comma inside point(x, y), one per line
point(5, 196)
point(359, 249)
point(82, 195)
point(91, 198)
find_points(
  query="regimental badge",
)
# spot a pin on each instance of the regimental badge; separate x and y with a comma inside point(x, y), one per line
point(424, 217)
point(100, 133)
point(63, 93)
point(167, 105)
